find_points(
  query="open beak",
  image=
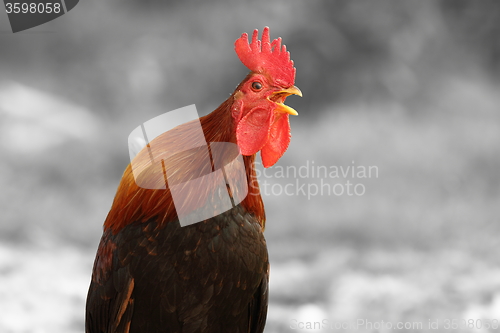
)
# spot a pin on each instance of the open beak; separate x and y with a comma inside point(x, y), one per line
point(282, 95)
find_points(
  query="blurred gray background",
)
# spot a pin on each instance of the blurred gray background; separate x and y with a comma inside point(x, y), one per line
point(410, 87)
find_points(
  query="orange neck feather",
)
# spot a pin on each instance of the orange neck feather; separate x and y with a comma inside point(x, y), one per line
point(136, 204)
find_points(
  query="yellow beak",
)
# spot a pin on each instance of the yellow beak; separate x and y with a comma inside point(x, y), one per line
point(287, 92)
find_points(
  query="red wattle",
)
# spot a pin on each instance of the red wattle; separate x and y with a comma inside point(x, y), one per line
point(278, 142)
point(252, 131)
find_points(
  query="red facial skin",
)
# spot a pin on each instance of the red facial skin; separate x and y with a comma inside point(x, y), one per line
point(261, 125)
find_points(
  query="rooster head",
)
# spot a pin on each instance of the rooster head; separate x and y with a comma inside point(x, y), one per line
point(259, 112)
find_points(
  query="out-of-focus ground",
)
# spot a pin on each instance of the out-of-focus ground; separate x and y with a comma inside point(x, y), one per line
point(410, 88)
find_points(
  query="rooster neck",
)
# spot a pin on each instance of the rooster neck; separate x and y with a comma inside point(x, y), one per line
point(219, 126)
point(253, 201)
point(136, 204)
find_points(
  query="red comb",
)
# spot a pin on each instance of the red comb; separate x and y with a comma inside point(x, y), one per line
point(265, 56)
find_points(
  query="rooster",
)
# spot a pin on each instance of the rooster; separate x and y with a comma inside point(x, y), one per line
point(153, 275)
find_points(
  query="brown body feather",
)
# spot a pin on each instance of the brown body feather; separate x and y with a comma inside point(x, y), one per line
point(152, 275)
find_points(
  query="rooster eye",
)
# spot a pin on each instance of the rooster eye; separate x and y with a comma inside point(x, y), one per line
point(256, 85)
